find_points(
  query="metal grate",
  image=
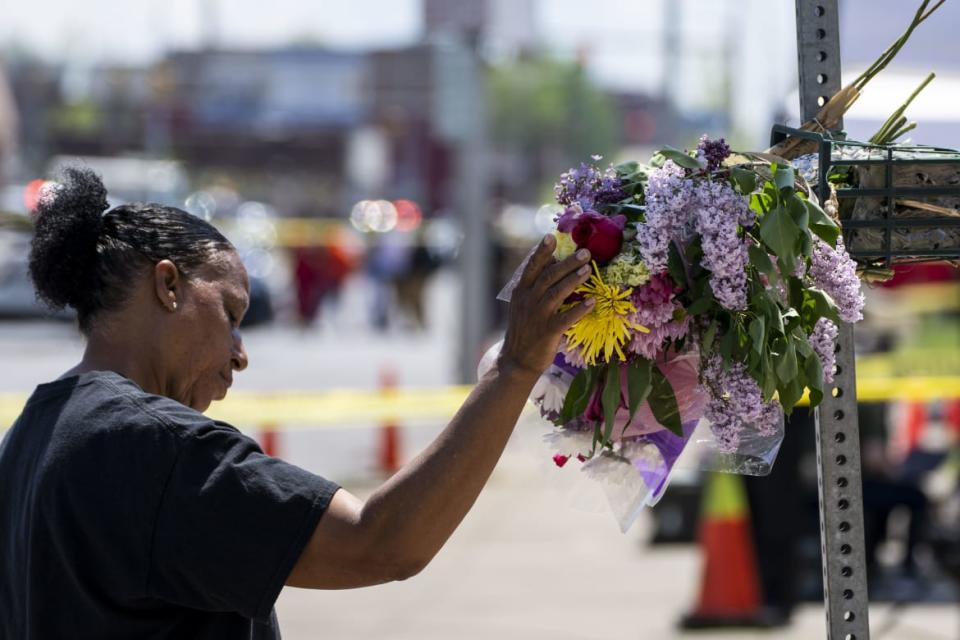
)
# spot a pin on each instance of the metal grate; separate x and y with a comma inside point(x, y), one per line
point(885, 220)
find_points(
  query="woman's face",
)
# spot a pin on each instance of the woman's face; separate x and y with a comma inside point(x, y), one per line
point(207, 343)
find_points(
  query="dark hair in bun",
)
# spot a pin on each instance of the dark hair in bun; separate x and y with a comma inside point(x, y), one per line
point(84, 258)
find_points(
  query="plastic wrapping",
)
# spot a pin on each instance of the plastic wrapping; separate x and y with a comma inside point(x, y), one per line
point(637, 472)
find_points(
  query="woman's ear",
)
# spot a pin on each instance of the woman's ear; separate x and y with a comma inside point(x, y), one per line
point(166, 284)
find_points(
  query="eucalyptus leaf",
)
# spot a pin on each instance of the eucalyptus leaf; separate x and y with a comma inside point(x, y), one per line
point(663, 402)
point(638, 383)
point(610, 399)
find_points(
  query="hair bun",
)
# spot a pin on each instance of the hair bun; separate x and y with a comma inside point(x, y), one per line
point(63, 253)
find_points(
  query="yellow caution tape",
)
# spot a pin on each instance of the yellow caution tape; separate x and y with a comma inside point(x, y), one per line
point(363, 409)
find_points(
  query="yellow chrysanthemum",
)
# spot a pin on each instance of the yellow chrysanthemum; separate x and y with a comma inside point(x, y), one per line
point(604, 330)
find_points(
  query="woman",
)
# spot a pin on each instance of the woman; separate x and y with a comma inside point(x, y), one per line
point(126, 513)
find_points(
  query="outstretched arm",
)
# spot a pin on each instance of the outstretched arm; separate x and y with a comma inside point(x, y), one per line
point(406, 521)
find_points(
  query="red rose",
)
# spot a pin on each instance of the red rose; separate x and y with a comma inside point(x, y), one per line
point(601, 235)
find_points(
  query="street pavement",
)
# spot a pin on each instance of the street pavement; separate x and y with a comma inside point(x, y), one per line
point(525, 564)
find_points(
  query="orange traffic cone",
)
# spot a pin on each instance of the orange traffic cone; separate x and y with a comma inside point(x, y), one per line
point(730, 590)
point(389, 458)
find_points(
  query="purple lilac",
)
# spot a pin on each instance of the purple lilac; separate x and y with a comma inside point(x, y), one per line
point(736, 404)
point(834, 271)
point(823, 339)
point(720, 212)
point(668, 194)
point(589, 187)
point(714, 152)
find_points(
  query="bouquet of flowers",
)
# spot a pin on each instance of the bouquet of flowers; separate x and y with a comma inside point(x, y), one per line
point(719, 284)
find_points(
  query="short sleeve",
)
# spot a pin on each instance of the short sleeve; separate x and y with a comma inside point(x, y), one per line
point(232, 523)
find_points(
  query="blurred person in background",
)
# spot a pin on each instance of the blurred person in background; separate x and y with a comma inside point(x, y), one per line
point(125, 512)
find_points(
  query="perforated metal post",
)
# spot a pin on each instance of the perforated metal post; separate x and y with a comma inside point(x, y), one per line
point(838, 434)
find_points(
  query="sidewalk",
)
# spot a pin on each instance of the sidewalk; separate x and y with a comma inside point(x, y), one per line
point(526, 565)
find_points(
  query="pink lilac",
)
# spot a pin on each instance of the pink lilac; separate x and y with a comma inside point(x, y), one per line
point(668, 194)
point(720, 213)
point(834, 271)
point(736, 404)
point(589, 187)
point(823, 339)
point(713, 152)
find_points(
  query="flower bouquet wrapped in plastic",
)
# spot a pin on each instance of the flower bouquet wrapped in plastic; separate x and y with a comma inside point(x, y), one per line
point(719, 284)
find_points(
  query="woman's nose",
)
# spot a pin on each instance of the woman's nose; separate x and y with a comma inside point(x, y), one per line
point(239, 359)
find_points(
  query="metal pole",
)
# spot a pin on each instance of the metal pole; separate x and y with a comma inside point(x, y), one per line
point(838, 434)
point(461, 120)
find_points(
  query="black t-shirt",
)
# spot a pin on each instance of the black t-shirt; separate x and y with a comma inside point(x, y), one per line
point(128, 515)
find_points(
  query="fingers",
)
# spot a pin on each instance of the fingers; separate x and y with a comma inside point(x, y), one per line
point(538, 261)
point(558, 271)
point(559, 292)
point(563, 321)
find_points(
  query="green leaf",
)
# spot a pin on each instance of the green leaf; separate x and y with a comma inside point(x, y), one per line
point(745, 179)
point(760, 259)
point(822, 224)
point(821, 305)
point(676, 268)
point(701, 305)
point(814, 374)
point(610, 399)
point(790, 393)
point(781, 234)
point(798, 211)
point(761, 203)
point(578, 396)
point(638, 383)
point(784, 177)
point(708, 337)
point(680, 158)
point(663, 402)
point(768, 382)
point(787, 364)
point(791, 319)
point(757, 334)
point(727, 344)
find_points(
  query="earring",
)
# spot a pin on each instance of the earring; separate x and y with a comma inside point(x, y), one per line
point(174, 306)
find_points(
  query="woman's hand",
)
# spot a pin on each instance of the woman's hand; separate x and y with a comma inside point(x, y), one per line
point(535, 324)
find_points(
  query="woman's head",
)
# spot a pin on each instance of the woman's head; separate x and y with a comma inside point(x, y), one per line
point(156, 267)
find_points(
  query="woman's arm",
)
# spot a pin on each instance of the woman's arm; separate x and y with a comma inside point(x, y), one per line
point(408, 519)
